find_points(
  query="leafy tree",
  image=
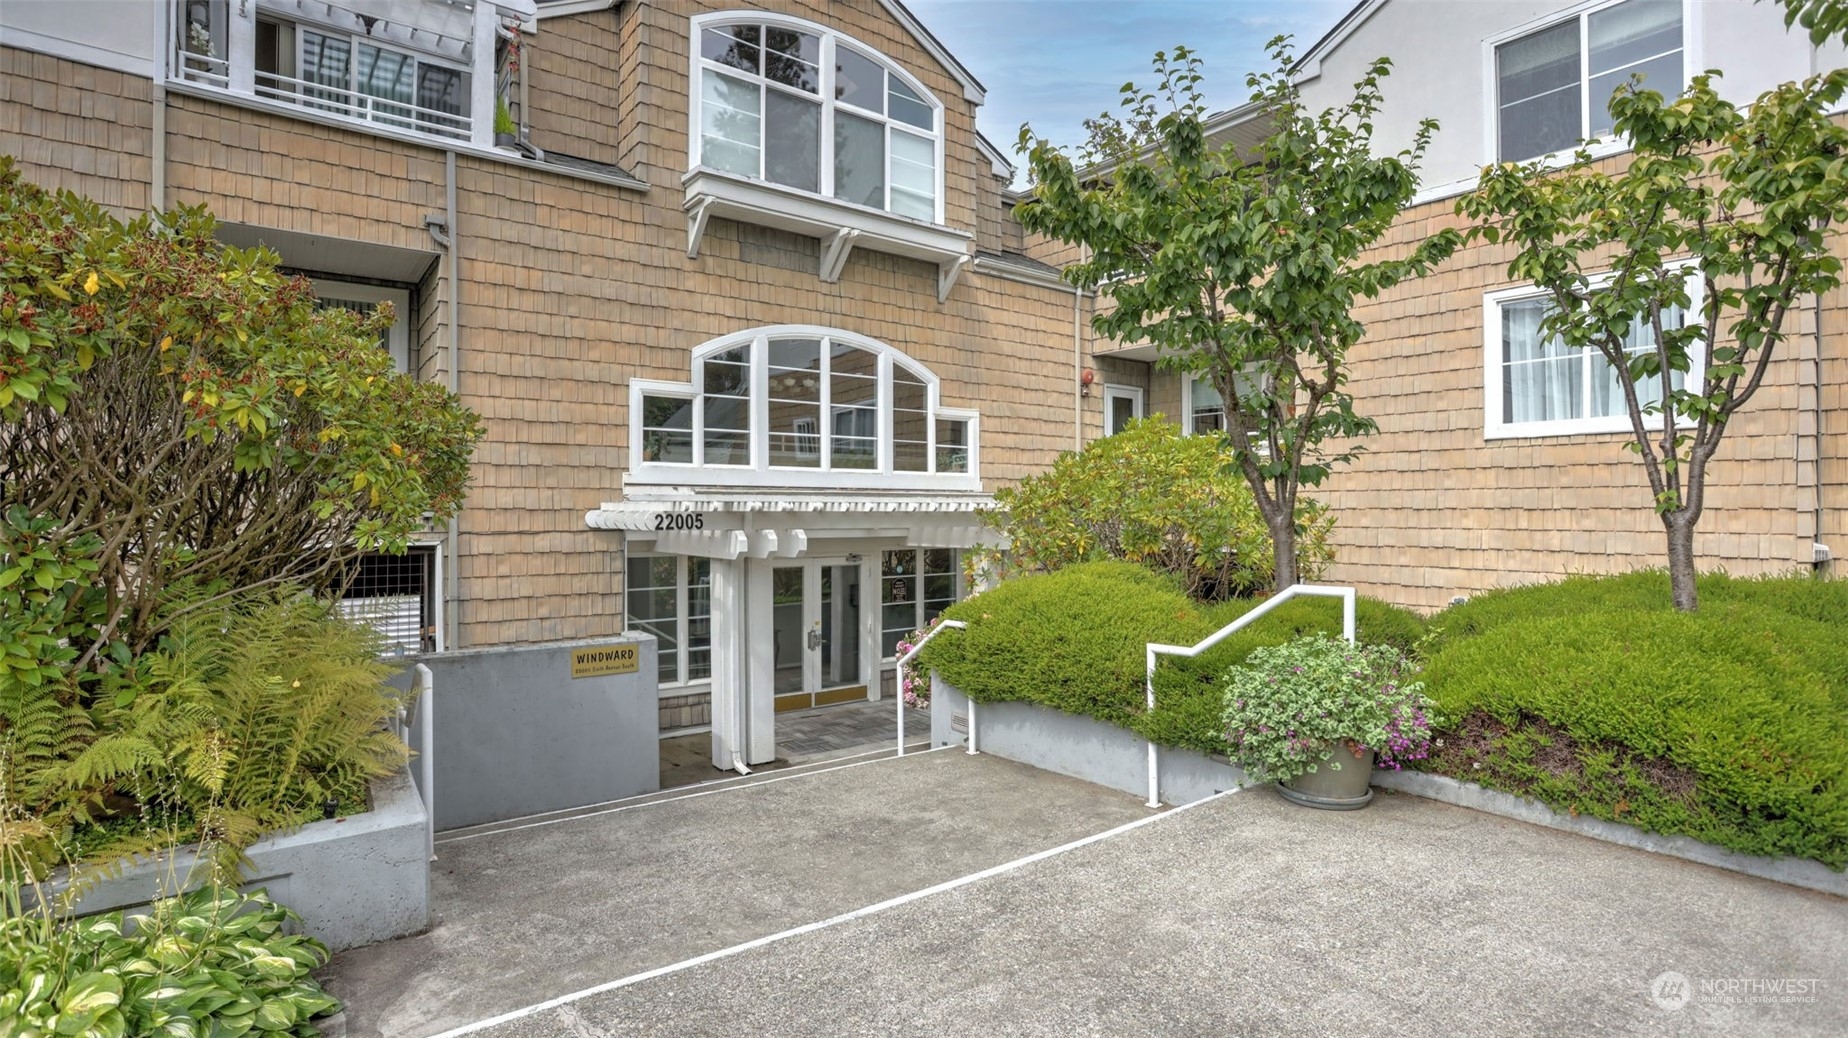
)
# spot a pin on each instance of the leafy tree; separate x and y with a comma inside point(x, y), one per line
point(1242, 266)
point(1152, 496)
point(1823, 18)
point(175, 411)
point(1746, 198)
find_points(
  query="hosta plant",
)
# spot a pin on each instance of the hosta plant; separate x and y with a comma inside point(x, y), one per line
point(214, 963)
point(1287, 706)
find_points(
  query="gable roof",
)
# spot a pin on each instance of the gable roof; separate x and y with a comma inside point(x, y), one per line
point(1309, 63)
point(973, 90)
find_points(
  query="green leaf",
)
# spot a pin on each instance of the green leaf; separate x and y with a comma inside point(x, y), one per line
point(91, 993)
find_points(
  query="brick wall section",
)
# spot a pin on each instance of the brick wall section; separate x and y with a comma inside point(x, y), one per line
point(573, 86)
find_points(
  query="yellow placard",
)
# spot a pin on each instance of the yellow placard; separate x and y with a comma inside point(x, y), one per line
point(597, 661)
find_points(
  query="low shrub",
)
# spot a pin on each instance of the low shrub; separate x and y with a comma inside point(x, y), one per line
point(1075, 640)
point(1729, 725)
point(252, 713)
point(213, 962)
point(1150, 495)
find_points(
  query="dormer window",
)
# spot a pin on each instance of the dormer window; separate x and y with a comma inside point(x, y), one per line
point(795, 104)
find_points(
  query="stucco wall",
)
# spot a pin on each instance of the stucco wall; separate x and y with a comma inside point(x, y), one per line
point(517, 735)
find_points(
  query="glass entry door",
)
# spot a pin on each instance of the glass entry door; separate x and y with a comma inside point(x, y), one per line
point(817, 634)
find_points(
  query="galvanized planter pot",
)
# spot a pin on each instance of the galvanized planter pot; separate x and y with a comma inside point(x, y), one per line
point(1343, 787)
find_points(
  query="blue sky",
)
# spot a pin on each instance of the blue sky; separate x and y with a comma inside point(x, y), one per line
point(1055, 63)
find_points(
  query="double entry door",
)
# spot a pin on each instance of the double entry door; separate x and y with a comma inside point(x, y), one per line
point(817, 625)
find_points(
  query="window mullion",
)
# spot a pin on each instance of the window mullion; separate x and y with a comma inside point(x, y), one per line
point(826, 181)
point(763, 128)
point(1585, 76)
point(827, 404)
point(760, 403)
point(882, 428)
point(681, 598)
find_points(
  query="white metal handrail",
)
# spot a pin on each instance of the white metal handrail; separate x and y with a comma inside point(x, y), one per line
point(903, 661)
point(1346, 594)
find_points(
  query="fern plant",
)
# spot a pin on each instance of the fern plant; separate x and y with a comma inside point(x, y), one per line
point(253, 712)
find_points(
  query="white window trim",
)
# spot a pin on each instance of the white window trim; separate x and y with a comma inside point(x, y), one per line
point(1494, 428)
point(958, 591)
point(398, 336)
point(829, 38)
point(1131, 393)
point(1691, 61)
point(683, 595)
point(759, 473)
point(1187, 408)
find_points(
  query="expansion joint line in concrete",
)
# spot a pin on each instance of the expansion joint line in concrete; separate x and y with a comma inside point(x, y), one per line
point(734, 785)
point(823, 924)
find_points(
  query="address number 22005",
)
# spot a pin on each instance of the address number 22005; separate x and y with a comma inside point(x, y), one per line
point(680, 521)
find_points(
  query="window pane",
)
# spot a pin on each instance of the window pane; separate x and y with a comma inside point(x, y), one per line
point(908, 107)
point(727, 448)
point(667, 412)
point(792, 58)
point(729, 413)
point(441, 90)
point(326, 60)
point(897, 564)
point(952, 445)
point(939, 560)
point(1538, 85)
point(910, 455)
point(726, 377)
point(907, 391)
point(792, 128)
point(844, 359)
point(794, 442)
point(667, 429)
point(1663, 75)
point(734, 45)
point(859, 160)
point(858, 80)
point(1632, 31)
point(914, 176)
point(1607, 392)
point(795, 353)
point(731, 124)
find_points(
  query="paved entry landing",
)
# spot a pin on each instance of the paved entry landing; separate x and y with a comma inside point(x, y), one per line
point(802, 737)
point(527, 914)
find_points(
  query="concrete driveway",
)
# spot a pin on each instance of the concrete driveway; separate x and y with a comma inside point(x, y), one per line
point(1242, 915)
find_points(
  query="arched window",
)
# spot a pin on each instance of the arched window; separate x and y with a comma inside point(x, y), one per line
point(800, 406)
point(797, 104)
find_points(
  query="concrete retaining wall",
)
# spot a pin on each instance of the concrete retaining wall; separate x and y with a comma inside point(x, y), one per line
point(517, 735)
point(1110, 756)
point(1080, 747)
point(355, 880)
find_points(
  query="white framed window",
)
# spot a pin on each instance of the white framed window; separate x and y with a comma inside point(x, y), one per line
point(794, 103)
point(797, 405)
point(1535, 386)
point(1122, 405)
point(915, 586)
point(1204, 408)
point(1552, 85)
point(363, 299)
point(670, 597)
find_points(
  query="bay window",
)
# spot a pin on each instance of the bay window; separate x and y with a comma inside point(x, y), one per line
point(799, 105)
point(1554, 85)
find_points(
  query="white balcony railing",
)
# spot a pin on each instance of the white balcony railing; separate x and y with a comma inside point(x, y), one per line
point(419, 66)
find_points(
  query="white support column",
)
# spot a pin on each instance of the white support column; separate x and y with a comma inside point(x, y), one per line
point(481, 78)
point(728, 662)
point(760, 670)
point(241, 47)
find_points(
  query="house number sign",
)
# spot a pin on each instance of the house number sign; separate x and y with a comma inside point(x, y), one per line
point(597, 661)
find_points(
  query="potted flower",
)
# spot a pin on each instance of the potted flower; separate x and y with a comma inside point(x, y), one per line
point(1316, 714)
point(506, 131)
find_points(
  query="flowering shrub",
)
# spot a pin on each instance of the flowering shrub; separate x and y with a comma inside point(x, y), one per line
point(1287, 705)
point(913, 686)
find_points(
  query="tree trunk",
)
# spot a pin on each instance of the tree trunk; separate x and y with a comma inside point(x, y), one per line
point(1680, 529)
point(1283, 548)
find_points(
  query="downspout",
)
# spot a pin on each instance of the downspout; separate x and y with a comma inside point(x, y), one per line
point(448, 239)
point(157, 179)
point(1819, 559)
point(1078, 362)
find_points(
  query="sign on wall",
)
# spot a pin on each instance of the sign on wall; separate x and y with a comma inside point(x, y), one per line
point(595, 661)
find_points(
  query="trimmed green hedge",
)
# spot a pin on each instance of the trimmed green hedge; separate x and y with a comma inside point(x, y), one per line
point(1592, 695)
point(1075, 640)
point(1729, 725)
